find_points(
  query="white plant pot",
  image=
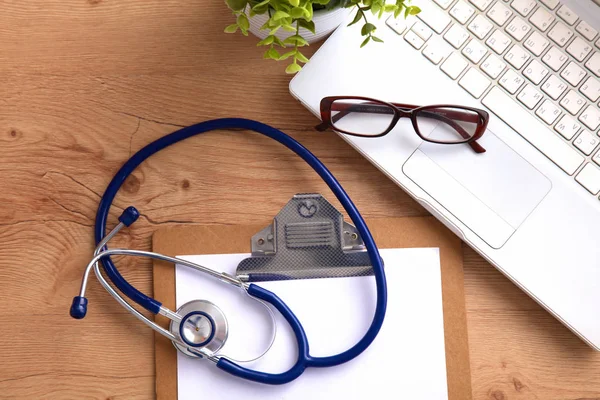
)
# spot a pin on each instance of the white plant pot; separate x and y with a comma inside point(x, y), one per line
point(325, 23)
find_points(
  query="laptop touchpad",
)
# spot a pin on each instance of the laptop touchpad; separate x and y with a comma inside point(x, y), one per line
point(492, 193)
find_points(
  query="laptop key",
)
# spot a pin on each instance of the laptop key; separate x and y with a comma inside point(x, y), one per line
point(548, 112)
point(481, 4)
point(579, 49)
point(516, 56)
point(586, 142)
point(531, 129)
point(536, 43)
point(567, 127)
point(474, 82)
point(414, 40)
point(555, 58)
point(511, 81)
point(523, 7)
point(529, 96)
point(397, 24)
point(560, 34)
point(498, 41)
point(480, 26)
point(573, 73)
point(554, 87)
point(474, 51)
point(535, 72)
point(436, 50)
point(542, 19)
point(422, 30)
point(593, 64)
point(572, 102)
point(454, 65)
point(591, 117)
point(518, 28)
point(567, 15)
point(499, 13)
point(589, 178)
point(586, 30)
point(444, 3)
point(435, 18)
point(462, 12)
point(493, 66)
point(596, 158)
point(456, 36)
point(551, 4)
point(591, 88)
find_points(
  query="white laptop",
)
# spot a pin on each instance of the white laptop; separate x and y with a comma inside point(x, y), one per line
point(529, 204)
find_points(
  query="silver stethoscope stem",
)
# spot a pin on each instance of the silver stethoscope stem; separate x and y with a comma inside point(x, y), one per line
point(88, 269)
point(157, 256)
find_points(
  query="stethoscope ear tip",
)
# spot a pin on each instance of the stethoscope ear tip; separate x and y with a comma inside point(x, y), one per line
point(78, 307)
point(129, 216)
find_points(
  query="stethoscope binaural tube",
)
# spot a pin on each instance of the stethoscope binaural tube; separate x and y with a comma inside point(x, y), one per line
point(304, 358)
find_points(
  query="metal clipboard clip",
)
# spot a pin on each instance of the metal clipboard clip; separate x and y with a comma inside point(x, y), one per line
point(307, 239)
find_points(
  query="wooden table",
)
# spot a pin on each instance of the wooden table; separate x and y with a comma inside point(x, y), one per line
point(83, 84)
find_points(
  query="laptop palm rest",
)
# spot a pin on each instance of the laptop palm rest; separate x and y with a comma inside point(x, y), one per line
point(492, 193)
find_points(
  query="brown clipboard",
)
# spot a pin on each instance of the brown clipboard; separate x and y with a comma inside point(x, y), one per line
point(388, 233)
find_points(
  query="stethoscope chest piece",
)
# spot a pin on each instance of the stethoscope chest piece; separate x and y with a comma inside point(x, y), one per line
point(203, 327)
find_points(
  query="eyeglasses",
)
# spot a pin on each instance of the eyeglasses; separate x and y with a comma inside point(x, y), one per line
point(365, 117)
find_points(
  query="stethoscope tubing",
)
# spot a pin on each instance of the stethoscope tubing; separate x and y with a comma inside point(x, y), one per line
point(304, 358)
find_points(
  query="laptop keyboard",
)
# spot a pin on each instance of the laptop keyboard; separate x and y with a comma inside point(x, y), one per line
point(532, 63)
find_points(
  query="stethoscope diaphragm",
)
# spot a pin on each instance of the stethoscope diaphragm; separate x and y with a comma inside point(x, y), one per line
point(203, 328)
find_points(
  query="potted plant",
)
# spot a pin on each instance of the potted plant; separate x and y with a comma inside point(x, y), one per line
point(297, 23)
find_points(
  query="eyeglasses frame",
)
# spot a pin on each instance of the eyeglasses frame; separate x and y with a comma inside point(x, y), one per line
point(402, 111)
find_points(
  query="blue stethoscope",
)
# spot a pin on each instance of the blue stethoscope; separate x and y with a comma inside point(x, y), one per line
point(198, 327)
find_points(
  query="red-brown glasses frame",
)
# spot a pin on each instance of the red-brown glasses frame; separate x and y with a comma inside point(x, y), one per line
point(410, 111)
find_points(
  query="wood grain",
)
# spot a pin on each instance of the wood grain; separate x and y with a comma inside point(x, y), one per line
point(83, 85)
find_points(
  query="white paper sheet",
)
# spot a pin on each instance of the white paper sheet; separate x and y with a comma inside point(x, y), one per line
point(406, 360)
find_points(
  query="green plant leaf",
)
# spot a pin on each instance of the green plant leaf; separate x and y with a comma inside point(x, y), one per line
point(274, 30)
point(289, 28)
point(297, 12)
point(414, 10)
point(293, 68)
point(376, 39)
point(397, 12)
point(278, 41)
point(364, 43)
point(295, 2)
point(287, 55)
point(367, 28)
point(308, 7)
point(243, 22)
point(356, 18)
point(301, 57)
point(261, 4)
point(236, 5)
point(231, 28)
point(375, 8)
point(271, 54)
point(280, 15)
point(296, 40)
point(266, 41)
point(390, 7)
point(308, 25)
